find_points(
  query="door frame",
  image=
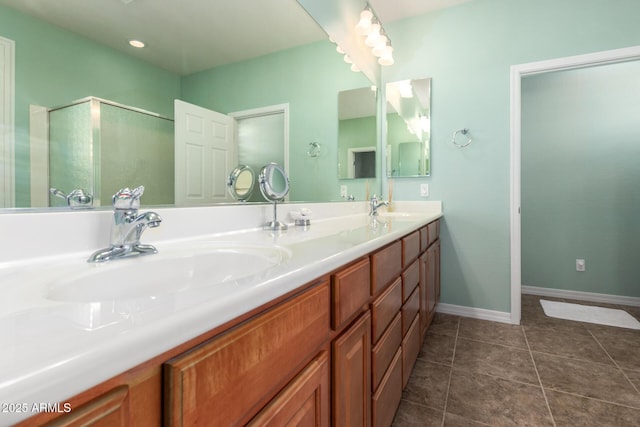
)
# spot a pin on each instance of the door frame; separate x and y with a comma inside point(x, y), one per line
point(517, 73)
point(7, 123)
point(266, 111)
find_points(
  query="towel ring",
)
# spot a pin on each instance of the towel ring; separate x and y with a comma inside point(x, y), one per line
point(314, 149)
point(463, 132)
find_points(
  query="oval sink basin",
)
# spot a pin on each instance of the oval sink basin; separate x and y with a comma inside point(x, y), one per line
point(175, 270)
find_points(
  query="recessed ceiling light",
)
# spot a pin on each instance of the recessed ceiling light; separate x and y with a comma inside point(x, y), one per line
point(137, 43)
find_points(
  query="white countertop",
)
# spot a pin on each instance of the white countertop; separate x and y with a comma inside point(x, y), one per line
point(52, 350)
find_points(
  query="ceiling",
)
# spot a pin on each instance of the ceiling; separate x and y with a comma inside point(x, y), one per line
point(178, 32)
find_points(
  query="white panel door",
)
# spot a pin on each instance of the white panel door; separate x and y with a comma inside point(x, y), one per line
point(205, 153)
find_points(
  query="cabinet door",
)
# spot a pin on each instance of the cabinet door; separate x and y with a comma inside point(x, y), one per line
point(352, 375)
point(108, 410)
point(432, 274)
point(437, 270)
point(228, 379)
point(304, 402)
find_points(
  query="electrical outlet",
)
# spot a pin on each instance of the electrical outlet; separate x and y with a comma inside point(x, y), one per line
point(343, 191)
point(580, 265)
point(424, 190)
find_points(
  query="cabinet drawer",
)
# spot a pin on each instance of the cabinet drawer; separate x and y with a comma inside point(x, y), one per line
point(424, 238)
point(385, 308)
point(303, 402)
point(409, 310)
point(386, 265)
point(387, 398)
point(410, 248)
point(410, 279)
point(434, 231)
point(382, 354)
point(227, 379)
point(410, 350)
point(350, 290)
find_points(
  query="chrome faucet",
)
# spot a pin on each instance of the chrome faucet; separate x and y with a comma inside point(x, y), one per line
point(127, 227)
point(78, 198)
point(375, 204)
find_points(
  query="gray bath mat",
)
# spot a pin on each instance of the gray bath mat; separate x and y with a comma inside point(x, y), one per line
point(589, 314)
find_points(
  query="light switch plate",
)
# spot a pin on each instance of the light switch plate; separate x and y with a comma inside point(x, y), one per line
point(424, 190)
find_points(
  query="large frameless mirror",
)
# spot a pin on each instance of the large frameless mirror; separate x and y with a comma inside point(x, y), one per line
point(357, 133)
point(408, 128)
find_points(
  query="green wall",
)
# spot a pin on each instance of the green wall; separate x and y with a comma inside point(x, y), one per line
point(54, 67)
point(309, 79)
point(355, 133)
point(468, 50)
point(581, 179)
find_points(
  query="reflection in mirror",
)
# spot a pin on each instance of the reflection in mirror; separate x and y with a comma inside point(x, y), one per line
point(357, 137)
point(55, 66)
point(240, 184)
point(274, 185)
point(101, 146)
point(408, 128)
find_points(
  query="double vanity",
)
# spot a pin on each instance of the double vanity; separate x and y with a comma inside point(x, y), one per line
point(228, 324)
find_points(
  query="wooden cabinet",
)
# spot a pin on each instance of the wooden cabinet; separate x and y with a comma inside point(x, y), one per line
point(430, 278)
point(133, 399)
point(411, 344)
point(337, 352)
point(350, 290)
point(226, 380)
point(386, 399)
point(386, 265)
point(352, 375)
point(384, 351)
point(304, 401)
point(410, 248)
point(385, 308)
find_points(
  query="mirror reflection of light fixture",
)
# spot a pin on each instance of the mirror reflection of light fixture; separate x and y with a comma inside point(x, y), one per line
point(364, 25)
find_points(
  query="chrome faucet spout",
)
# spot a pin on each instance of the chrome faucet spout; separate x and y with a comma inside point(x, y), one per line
point(375, 203)
point(127, 228)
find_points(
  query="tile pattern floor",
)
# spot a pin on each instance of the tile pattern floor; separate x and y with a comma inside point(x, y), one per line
point(545, 372)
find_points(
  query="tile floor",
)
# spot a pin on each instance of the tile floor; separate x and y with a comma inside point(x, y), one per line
point(545, 372)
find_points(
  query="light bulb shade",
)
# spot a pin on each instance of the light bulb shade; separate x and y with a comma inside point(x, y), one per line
point(347, 59)
point(364, 24)
point(387, 57)
point(380, 47)
point(373, 36)
point(355, 68)
point(339, 50)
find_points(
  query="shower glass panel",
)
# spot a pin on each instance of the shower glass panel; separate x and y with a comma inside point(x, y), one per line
point(102, 146)
point(71, 150)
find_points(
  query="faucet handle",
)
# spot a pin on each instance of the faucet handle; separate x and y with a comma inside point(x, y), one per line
point(78, 198)
point(125, 198)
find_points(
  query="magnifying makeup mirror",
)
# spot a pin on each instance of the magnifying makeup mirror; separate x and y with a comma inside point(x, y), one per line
point(240, 183)
point(274, 185)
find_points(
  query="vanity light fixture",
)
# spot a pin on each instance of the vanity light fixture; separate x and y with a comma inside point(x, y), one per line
point(376, 37)
point(137, 43)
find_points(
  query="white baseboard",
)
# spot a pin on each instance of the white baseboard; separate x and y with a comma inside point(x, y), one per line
point(584, 296)
point(474, 313)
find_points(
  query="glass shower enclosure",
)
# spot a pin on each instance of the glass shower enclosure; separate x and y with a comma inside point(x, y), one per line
point(102, 146)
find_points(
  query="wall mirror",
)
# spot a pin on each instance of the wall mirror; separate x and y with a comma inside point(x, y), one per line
point(408, 105)
point(55, 67)
point(357, 133)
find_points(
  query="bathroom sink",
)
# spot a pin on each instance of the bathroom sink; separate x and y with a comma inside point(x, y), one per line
point(174, 270)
